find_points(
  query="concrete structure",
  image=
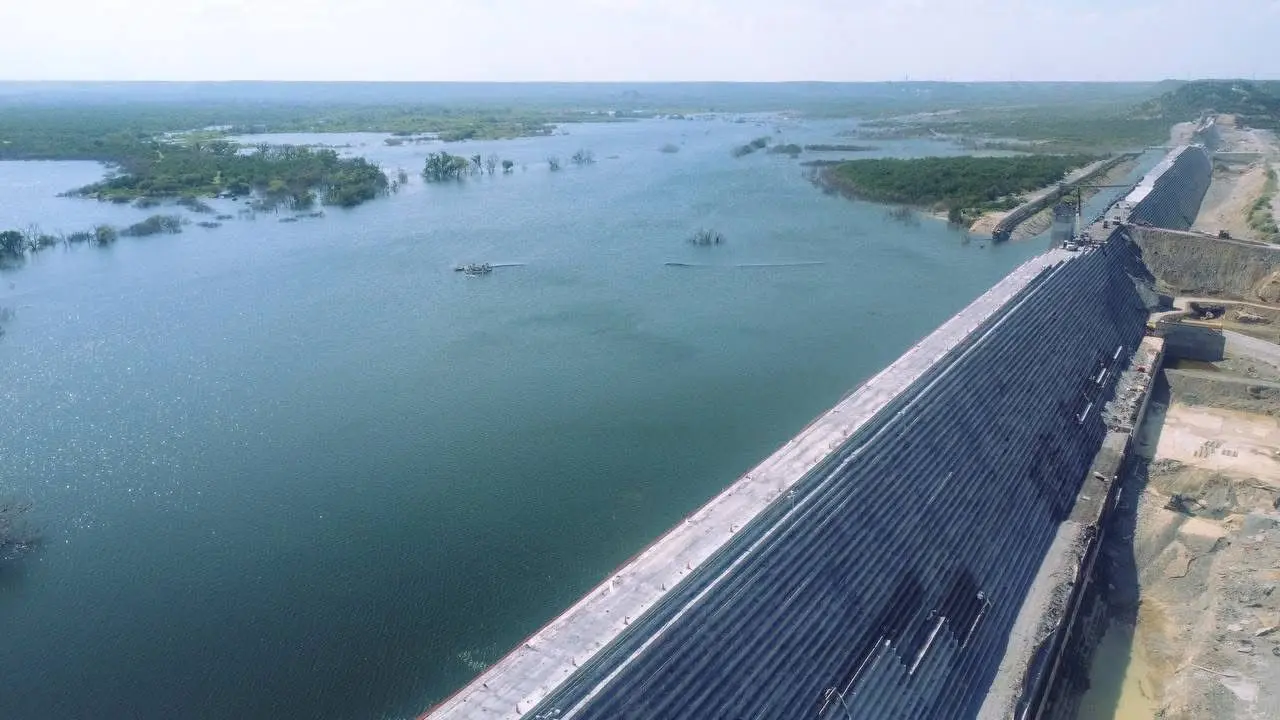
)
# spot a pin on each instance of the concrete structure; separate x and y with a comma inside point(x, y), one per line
point(890, 561)
point(1045, 667)
point(1169, 195)
point(1041, 200)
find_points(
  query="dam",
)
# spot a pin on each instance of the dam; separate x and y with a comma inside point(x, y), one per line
point(877, 564)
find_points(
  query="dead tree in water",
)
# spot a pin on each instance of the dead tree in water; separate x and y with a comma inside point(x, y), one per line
point(15, 537)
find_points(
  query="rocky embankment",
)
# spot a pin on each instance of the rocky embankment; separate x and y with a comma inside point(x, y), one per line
point(1189, 264)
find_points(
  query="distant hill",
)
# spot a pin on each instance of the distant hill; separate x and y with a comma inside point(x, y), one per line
point(1254, 104)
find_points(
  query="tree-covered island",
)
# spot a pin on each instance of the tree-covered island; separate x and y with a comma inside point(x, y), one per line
point(153, 156)
point(296, 176)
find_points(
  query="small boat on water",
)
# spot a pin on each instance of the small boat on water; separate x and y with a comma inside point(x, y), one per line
point(475, 269)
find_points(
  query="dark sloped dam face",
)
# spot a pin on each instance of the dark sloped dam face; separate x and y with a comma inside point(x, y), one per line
point(888, 585)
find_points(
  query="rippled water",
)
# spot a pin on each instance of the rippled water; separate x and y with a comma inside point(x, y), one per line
point(308, 470)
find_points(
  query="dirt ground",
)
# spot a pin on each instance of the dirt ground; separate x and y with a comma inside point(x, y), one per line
point(1275, 199)
point(1183, 133)
point(1235, 187)
point(1257, 320)
point(1202, 553)
point(1232, 138)
point(1231, 193)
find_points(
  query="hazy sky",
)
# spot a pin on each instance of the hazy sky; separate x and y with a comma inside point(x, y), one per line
point(638, 39)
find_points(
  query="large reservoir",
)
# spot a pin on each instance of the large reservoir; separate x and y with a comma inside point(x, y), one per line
point(306, 469)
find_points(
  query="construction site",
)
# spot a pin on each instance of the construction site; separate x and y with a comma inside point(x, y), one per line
point(1065, 502)
point(1185, 618)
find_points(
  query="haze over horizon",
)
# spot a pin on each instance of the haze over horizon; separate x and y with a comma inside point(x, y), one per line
point(638, 40)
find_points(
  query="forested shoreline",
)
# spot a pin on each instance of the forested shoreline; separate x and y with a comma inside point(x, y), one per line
point(952, 184)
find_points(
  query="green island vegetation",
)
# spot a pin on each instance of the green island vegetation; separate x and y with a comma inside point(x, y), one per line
point(442, 166)
point(757, 144)
point(786, 149)
point(962, 186)
point(158, 154)
point(155, 225)
point(283, 174)
point(1261, 219)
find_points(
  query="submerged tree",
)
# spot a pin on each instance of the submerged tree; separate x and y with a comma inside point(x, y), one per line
point(105, 234)
point(553, 163)
point(13, 243)
point(15, 537)
point(442, 166)
point(707, 237)
point(491, 163)
point(155, 225)
point(583, 157)
point(507, 165)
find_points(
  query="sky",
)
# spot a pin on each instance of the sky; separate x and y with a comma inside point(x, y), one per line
point(638, 40)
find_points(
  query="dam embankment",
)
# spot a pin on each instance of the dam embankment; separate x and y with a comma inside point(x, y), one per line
point(924, 549)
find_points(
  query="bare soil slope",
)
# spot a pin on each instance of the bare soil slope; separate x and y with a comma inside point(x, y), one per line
point(1231, 193)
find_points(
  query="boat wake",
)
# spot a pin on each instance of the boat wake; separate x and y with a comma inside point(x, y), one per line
point(804, 263)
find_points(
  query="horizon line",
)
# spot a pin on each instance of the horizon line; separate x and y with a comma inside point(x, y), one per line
point(627, 82)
